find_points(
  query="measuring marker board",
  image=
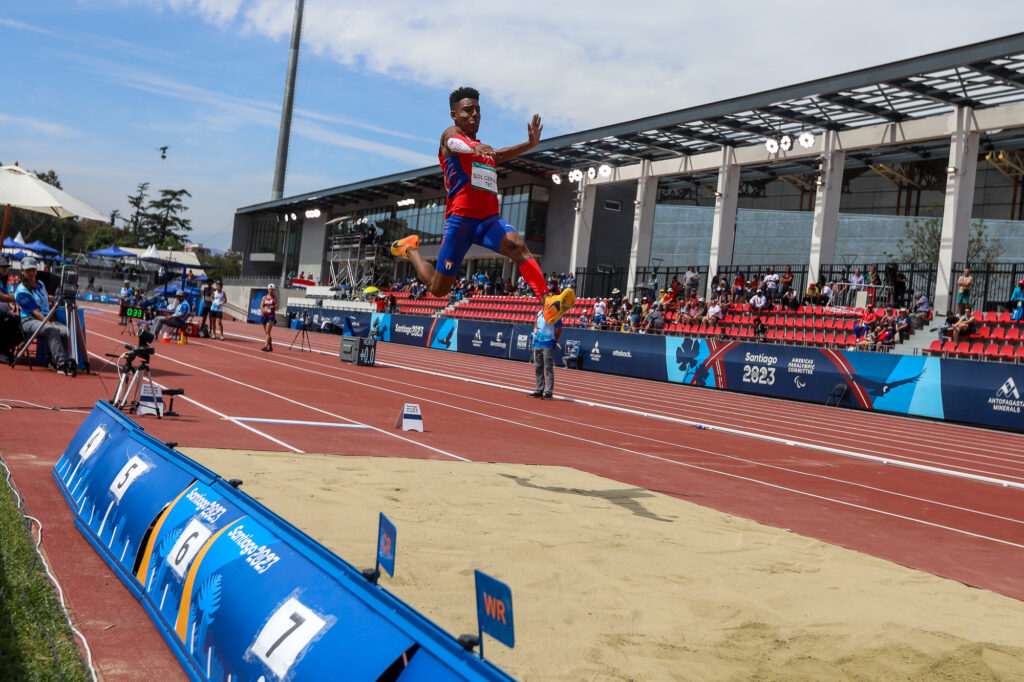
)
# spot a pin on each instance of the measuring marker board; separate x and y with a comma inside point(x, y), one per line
point(411, 419)
point(494, 610)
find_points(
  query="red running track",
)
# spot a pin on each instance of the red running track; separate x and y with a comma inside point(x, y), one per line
point(476, 409)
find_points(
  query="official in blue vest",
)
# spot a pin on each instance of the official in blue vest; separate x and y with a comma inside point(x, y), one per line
point(34, 304)
point(544, 340)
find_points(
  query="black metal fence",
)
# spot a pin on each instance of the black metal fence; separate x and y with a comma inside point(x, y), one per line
point(920, 278)
point(652, 278)
point(993, 283)
point(599, 281)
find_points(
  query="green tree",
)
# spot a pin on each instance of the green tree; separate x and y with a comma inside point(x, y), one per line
point(165, 223)
point(923, 235)
point(229, 265)
point(135, 224)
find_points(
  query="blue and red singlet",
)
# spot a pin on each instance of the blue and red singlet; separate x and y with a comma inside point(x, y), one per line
point(471, 183)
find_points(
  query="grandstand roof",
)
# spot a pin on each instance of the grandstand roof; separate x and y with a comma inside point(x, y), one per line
point(981, 75)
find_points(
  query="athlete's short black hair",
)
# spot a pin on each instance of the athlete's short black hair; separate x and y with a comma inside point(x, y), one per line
point(462, 93)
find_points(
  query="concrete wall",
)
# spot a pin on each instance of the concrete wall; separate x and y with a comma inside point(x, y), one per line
point(558, 242)
point(612, 231)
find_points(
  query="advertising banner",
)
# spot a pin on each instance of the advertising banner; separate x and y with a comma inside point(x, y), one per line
point(413, 330)
point(520, 348)
point(445, 335)
point(255, 296)
point(484, 338)
point(983, 393)
point(638, 355)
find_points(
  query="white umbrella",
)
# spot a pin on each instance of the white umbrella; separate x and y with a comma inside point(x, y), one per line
point(21, 189)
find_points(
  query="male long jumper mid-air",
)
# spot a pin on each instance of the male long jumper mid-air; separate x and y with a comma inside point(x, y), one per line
point(471, 211)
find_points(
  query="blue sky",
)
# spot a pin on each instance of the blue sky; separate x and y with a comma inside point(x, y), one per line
point(92, 88)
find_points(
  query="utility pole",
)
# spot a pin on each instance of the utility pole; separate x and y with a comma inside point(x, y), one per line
point(286, 111)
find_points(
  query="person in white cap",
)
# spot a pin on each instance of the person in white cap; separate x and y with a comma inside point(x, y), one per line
point(268, 313)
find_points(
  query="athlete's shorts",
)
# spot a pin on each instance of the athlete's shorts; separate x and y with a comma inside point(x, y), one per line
point(264, 319)
point(216, 314)
point(460, 233)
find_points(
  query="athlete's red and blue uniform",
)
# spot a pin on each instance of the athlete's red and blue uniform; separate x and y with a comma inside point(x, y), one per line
point(471, 207)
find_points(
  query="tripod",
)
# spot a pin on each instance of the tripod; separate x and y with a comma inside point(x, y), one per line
point(130, 380)
point(76, 335)
point(302, 336)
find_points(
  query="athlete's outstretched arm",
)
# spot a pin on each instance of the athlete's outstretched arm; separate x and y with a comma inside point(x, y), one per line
point(533, 130)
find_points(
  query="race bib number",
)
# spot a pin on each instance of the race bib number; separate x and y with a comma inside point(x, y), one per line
point(485, 178)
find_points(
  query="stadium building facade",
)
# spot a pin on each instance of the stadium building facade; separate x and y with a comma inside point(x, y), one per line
point(824, 176)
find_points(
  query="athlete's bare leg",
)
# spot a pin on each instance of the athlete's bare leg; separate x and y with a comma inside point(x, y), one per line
point(437, 284)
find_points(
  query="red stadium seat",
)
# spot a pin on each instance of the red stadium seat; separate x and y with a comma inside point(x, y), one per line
point(819, 338)
point(1013, 334)
point(992, 351)
point(790, 336)
point(1006, 353)
point(830, 338)
point(977, 349)
point(962, 348)
point(819, 323)
point(1005, 318)
point(1020, 353)
point(936, 348)
point(990, 317)
point(774, 335)
point(948, 347)
point(998, 334)
point(798, 336)
point(983, 332)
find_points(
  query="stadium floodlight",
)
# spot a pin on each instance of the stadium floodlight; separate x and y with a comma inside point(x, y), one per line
point(806, 139)
point(604, 170)
point(772, 145)
point(313, 213)
point(785, 143)
point(405, 202)
point(591, 173)
point(575, 175)
point(951, 169)
point(556, 178)
point(819, 182)
point(286, 217)
point(294, 217)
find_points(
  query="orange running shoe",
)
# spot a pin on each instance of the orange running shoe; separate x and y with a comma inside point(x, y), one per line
point(401, 247)
point(556, 306)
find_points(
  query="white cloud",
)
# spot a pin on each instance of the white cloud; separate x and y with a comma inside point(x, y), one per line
point(586, 64)
point(56, 130)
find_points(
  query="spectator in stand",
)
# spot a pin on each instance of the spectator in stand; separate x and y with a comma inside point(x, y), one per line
point(675, 288)
point(600, 305)
point(874, 279)
point(739, 283)
point(857, 280)
point(714, 314)
point(790, 301)
point(691, 280)
point(1017, 302)
point(951, 319)
point(827, 292)
point(652, 282)
point(813, 294)
point(656, 319)
point(868, 341)
point(771, 285)
point(963, 291)
point(886, 336)
point(903, 328)
point(760, 330)
point(922, 311)
point(966, 326)
point(636, 313)
point(786, 281)
point(758, 302)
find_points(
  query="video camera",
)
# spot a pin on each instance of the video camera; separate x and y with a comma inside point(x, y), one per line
point(68, 282)
point(143, 350)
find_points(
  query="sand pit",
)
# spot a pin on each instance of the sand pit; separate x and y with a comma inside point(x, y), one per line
point(612, 582)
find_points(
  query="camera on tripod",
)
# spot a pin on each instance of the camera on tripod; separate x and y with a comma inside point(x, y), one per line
point(143, 350)
point(69, 282)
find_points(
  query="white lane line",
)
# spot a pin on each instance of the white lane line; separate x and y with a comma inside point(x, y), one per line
point(207, 408)
point(298, 422)
point(295, 402)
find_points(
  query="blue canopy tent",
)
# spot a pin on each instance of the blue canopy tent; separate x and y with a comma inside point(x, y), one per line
point(9, 243)
point(112, 252)
point(40, 247)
